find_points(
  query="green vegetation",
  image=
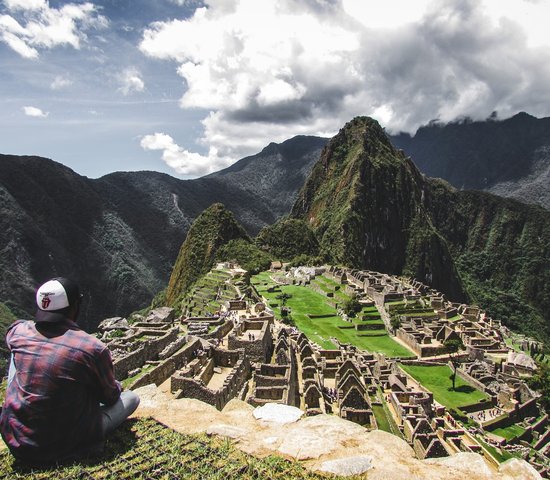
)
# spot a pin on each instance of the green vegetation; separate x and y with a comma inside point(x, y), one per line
point(3, 387)
point(207, 294)
point(506, 268)
point(212, 229)
point(351, 307)
point(144, 449)
point(287, 239)
point(371, 208)
point(540, 381)
point(318, 320)
point(499, 455)
point(381, 418)
point(246, 254)
point(509, 432)
point(128, 381)
point(436, 379)
point(6, 319)
point(453, 346)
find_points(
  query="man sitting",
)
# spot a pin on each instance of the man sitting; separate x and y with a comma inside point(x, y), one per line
point(62, 397)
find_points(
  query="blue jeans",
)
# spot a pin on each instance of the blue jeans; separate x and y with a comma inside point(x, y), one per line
point(114, 415)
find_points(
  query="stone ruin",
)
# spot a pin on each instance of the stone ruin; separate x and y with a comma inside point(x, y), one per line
point(276, 382)
point(213, 376)
point(243, 355)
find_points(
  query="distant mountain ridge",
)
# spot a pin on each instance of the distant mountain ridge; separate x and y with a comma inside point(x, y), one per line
point(507, 157)
point(277, 172)
point(119, 235)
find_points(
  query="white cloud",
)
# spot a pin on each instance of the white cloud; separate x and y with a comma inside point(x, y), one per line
point(60, 82)
point(131, 81)
point(269, 70)
point(181, 160)
point(25, 4)
point(35, 112)
point(187, 3)
point(34, 25)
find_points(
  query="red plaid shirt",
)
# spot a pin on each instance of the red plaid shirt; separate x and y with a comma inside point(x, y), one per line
point(52, 410)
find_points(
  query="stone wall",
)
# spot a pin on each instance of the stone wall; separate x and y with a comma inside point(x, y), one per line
point(468, 378)
point(258, 350)
point(165, 369)
point(220, 331)
point(527, 409)
point(226, 358)
point(172, 348)
point(265, 381)
point(214, 320)
point(196, 388)
point(147, 350)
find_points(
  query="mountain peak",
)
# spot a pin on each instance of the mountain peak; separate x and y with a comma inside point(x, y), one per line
point(212, 229)
point(368, 205)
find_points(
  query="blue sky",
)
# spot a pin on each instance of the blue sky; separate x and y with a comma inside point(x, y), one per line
point(188, 87)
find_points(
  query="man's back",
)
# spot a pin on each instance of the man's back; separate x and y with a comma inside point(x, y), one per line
point(52, 405)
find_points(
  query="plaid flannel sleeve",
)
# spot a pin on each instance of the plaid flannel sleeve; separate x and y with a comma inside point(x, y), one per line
point(109, 388)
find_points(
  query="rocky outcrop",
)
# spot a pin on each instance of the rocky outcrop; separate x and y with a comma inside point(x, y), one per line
point(323, 442)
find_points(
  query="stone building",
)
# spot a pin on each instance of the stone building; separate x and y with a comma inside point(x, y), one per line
point(214, 376)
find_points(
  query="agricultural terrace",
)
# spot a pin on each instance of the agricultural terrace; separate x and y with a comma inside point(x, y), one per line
point(437, 379)
point(313, 314)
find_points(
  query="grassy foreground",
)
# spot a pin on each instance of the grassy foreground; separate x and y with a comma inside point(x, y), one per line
point(145, 449)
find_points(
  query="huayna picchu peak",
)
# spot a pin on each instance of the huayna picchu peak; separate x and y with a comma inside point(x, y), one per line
point(370, 208)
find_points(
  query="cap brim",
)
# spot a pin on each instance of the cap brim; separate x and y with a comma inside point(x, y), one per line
point(44, 316)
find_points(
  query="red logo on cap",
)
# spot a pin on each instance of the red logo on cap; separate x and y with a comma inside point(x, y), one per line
point(46, 302)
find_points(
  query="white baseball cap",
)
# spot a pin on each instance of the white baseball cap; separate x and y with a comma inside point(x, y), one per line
point(54, 295)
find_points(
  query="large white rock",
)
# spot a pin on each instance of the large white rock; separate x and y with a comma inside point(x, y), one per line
point(277, 413)
point(229, 431)
point(516, 468)
point(469, 463)
point(320, 440)
point(347, 466)
point(114, 323)
point(521, 360)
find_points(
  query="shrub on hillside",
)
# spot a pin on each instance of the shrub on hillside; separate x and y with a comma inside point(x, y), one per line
point(288, 239)
point(246, 254)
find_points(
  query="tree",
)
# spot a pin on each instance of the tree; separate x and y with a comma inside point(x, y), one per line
point(283, 297)
point(540, 381)
point(452, 347)
point(351, 306)
point(395, 322)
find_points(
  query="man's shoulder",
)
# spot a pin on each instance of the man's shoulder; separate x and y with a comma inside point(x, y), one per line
point(19, 325)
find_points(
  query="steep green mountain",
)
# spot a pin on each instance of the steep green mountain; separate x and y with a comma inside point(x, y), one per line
point(119, 235)
point(502, 250)
point(212, 229)
point(508, 157)
point(370, 207)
